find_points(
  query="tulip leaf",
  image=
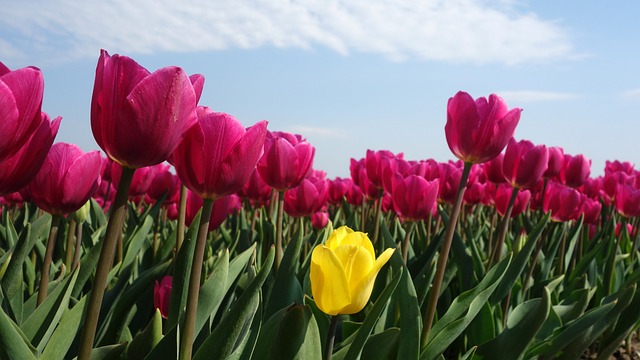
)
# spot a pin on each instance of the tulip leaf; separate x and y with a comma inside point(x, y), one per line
point(410, 318)
point(286, 289)
point(626, 323)
point(293, 334)
point(147, 339)
point(520, 260)
point(383, 346)
point(523, 324)
point(88, 265)
point(182, 272)
point(235, 323)
point(39, 327)
point(354, 350)
point(64, 335)
point(462, 311)
point(108, 352)
point(126, 302)
point(13, 343)
point(136, 241)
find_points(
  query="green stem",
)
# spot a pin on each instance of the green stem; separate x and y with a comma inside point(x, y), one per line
point(504, 227)
point(331, 335)
point(188, 329)
point(114, 228)
point(405, 243)
point(76, 255)
point(434, 292)
point(48, 256)
point(279, 251)
point(182, 210)
point(69, 252)
point(376, 219)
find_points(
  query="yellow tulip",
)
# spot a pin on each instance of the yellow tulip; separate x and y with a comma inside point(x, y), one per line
point(343, 271)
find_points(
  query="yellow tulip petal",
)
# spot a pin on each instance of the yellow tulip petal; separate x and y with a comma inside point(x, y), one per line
point(329, 284)
point(356, 262)
point(336, 237)
point(361, 293)
point(360, 239)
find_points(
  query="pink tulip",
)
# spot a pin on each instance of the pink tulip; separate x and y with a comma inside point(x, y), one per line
point(338, 189)
point(319, 219)
point(564, 202)
point(286, 161)
point(162, 294)
point(556, 162)
point(627, 201)
point(415, 198)
point(575, 171)
point(374, 164)
point(20, 107)
point(67, 179)
point(503, 196)
point(218, 155)
point(591, 210)
point(360, 178)
point(17, 170)
point(222, 208)
point(493, 169)
point(478, 130)
point(256, 190)
point(354, 195)
point(450, 175)
point(307, 198)
point(615, 166)
point(524, 163)
point(138, 118)
point(164, 181)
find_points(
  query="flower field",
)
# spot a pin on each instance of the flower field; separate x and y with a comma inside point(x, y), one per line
point(192, 236)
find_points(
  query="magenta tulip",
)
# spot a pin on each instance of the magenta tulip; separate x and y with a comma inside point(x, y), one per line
point(503, 196)
point(478, 130)
point(256, 190)
point(20, 107)
point(17, 170)
point(359, 176)
point(614, 166)
point(286, 161)
point(164, 181)
point(138, 118)
point(222, 208)
point(218, 154)
point(415, 198)
point(556, 162)
point(524, 163)
point(319, 219)
point(493, 169)
point(338, 189)
point(162, 294)
point(374, 163)
point(564, 202)
point(591, 210)
point(307, 198)
point(627, 201)
point(575, 171)
point(67, 179)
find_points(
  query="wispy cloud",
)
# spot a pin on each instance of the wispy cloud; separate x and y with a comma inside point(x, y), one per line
point(475, 31)
point(631, 94)
point(313, 131)
point(526, 96)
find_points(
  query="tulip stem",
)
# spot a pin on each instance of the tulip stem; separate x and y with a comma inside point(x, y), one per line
point(188, 329)
point(376, 224)
point(434, 292)
point(331, 336)
point(182, 210)
point(279, 252)
point(48, 256)
point(76, 255)
point(69, 251)
point(405, 243)
point(114, 228)
point(504, 226)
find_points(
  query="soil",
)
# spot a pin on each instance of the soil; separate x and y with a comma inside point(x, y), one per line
point(621, 353)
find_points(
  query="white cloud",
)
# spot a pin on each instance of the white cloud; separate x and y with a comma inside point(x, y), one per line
point(314, 131)
point(631, 94)
point(526, 96)
point(475, 31)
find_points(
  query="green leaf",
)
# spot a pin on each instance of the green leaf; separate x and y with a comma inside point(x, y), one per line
point(235, 323)
point(136, 241)
point(297, 336)
point(88, 265)
point(519, 262)
point(462, 311)
point(147, 339)
point(64, 335)
point(626, 323)
point(383, 346)
point(39, 327)
point(13, 343)
point(523, 324)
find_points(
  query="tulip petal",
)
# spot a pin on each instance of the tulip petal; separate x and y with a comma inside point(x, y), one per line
point(335, 239)
point(361, 293)
point(357, 263)
point(329, 284)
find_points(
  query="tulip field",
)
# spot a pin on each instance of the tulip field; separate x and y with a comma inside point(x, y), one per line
point(194, 236)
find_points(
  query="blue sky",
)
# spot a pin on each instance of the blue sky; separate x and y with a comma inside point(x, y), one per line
point(356, 75)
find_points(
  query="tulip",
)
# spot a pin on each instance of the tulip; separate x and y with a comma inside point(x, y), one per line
point(17, 170)
point(450, 175)
point(218, 155)
point(591, 210)
point(286, 161)
point(319, 219)
point(164, 181)
point(478, 130)
point(627, 201)
point(343, 271)
point(67, 179)
point(524, 163)
point(493, 169)
point(338, 189)
point(256, 190)
point(138, 118)
point(162, 294)
point(563, 202)
point(575, 171)
point(614, 166)
point(359, 176)
point(20, 103)
point(414, 198)
point(556, 162)
point(503, 196)
point(307, 198)
point(374, 164)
